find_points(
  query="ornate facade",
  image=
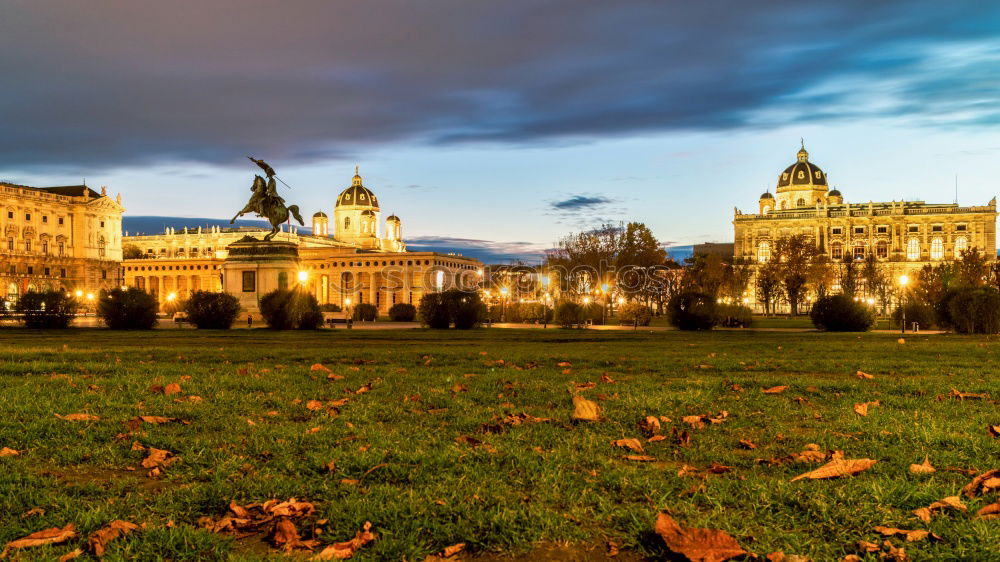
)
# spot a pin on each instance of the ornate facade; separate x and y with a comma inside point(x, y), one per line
point(356, 264)
point(907, 234)
point(63, 238)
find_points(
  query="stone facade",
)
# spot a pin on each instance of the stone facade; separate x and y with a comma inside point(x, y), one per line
point(354, 265)
point(906, 235)
point(63, 238)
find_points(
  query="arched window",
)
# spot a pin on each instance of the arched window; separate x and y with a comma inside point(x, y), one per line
point(763, 251)
point(766, 209)
point(347, 223)
point(961, 245)
point(913, 249)
point(800, 203)
point(882, 250)
point(859, 250)
point(937, 249)
point(837, 251)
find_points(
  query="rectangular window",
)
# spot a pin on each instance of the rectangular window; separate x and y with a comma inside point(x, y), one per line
point(859, 230)
point(62, 272)
point(45, 247)
point(10, 244)
point(31, 270)
point(27, 216)
point(882, 229)
point(45, 219)
point(102, 224)
point(60, 220)
point(12, 269)
point(47, 273)
point(961, 227)
point(104, 274)
point(913, 228)
point(249, 281)
point(937, 228)
point(27, 245)
point(62, 248)
point(10, 214)
point(837, 230)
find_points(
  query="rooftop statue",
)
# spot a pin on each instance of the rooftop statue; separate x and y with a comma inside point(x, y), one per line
point(266, 202)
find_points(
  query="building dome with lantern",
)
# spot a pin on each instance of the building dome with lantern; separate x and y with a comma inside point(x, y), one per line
point(803, 184)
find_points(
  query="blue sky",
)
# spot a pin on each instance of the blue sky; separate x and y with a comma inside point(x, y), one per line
point(503, 125)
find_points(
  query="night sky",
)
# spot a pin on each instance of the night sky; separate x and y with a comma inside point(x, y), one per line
point(502, 125)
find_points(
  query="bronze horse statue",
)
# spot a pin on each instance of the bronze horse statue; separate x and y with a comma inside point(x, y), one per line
point(266, 203)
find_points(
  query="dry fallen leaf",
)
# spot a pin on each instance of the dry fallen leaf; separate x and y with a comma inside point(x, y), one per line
point(8, 452)
point(837, 468)
point(863, 375)
point(924, 468)
point(989, 480)
point(585, 410)
point(629, 443)
point(319, 367)
point(991, 511)
point(172, 388)
point(53, 535)
point(911, 535)
point(774, 390)
point(698, 545)
point(314, 405)
point(79, 417)
point(640, 458)
point(284, 535)
point(98, 540)
point(957, 395)
point(950, 502)
point(994, 430)
point(650, 425)
point(346, 549)
point(862, 408)
point(747, 444)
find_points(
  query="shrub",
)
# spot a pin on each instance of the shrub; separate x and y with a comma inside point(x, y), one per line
point(214, 311)
point(536, 313)
point(290, 309)
point(975, 311)
point(402, 312)
point(918, 312)
point(634, 313)
point(434, 311)
point(692, 310)
point(568, 313)
point(47, 309)
point(330, 307)
point(734, 315)
point(841, 313)
point(128, 309)
point(594, 312)
point(365, 312)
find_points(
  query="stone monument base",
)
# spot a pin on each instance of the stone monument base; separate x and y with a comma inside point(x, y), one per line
point(255, 267)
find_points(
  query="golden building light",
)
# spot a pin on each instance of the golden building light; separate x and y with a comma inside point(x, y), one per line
point(303, 276)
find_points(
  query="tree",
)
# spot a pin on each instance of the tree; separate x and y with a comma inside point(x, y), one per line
point(132, 252)
point(737, 278)
point(588, 259)
point(705, 273)
point(878, 284)
point(794, 256)
point(972, 269)
point(768, 284)
point(848, 276)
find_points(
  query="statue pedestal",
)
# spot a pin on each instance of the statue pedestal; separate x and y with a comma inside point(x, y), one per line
point(254, 268)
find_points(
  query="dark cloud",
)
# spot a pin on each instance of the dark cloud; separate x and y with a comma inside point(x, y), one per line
point(579, 202)
point(88, 85)
point(486, 251)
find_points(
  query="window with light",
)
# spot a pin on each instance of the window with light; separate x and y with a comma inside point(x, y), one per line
point(961, 245)
point(913, 249)
point(763, 252)
point(937, 249)
point(837, 251)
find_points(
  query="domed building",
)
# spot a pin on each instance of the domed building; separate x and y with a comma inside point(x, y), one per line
point(905, 234)
point(351, 264)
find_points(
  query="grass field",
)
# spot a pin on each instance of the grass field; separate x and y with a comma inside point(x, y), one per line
point(426, 457)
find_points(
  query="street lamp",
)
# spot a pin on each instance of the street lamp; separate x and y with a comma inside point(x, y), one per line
point(303, 276)
point(904, 280)
point(79, 293)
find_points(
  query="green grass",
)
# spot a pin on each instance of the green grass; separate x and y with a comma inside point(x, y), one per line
point(541, 484)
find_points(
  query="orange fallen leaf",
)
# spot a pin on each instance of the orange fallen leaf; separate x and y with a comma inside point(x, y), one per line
point(314, 405)
point(172, 388)
point(79, 417)
point(8, 452)
point(911, 535)
point(585, 410)
point(564, 364)
point(957, 395)
point(284, 534)
point(156, 419)
point(837, 468)
point(863, 375)
point(774, 390)
point(983, 483)
point(640, 458)
point(991, 511)
point(747, 444)
point(950, 502)
point(98, 540)
point(346, 549)
point(312, 430)
point(650, 425)
point(924, 468)
point(53, 535)
point(629, 443)
point(319, 367)
point(994, 430)
point(334, 377)
point(698, 545)
point(862, 408)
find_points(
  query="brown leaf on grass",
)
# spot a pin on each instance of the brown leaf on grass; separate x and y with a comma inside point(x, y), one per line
point(564, 364)
point(640, 458)
point(863, 375)
point(284, 535)
point(629, 443)
point(862, 408)
point(650, 425)
point(8, 452)
point(319, 367)
point(367, 386)
point(656, 438)
point(910, 535)
point(991, 511)
point(950, 502)
point(865, 546)
point(924, 468)
point(79, 417)
point(53, 535)
point(98, 540)
point(894, 554)
point(459, 388)
point(71, 555)
point(346, 549)
point(155, 420)
point(680, 437)
point(334, 377)
point(314, 405)
point(172, 388)
point(985, 482)
point(698, 545)
point(747, 444)
point(158, 460)
point(694, 421)
point(994, 430)
point(453, 549)
point(312, 430)
point(837, 468)
point(957, 395)
point(584, 385)
point(606, 379)
point(774, 390)
point(585, 410)
point(782, 557)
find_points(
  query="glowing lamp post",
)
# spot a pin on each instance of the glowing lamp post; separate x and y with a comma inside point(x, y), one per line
point(904, 280)
point(303, 276)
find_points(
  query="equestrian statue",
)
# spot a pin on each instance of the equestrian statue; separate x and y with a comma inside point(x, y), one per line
point(266, 202)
